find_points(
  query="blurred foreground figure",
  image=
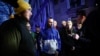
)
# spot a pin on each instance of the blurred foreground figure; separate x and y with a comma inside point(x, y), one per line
point(15, 38)
point(91, 26)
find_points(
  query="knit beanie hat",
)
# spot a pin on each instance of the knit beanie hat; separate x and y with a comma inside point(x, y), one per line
point(22, 6)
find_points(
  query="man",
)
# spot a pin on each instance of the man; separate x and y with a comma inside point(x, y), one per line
point(38, 40)
point(15, 38)
point(63, 26)
point(81, 16)
point(61, 31)
point(51, 40)
point(92, 29)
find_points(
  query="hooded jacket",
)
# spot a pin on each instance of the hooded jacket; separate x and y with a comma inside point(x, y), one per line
point(51, 41)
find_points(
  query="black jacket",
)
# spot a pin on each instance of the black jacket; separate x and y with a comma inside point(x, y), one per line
point(15, 39)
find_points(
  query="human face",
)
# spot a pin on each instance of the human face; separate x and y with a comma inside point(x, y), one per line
point(37, 29)
point(50, 22)
point(64, 23)
point(55, 23)
point(81, 19)
point(69, 24)
point(79, 26)
point(27, 14)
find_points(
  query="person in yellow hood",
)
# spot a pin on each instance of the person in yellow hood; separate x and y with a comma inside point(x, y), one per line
point(15, 38)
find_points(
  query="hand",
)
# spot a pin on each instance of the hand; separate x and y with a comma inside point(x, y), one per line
point(76, 36)
point(73, 48)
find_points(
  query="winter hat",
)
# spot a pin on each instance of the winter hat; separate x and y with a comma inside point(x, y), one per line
point(22, 6)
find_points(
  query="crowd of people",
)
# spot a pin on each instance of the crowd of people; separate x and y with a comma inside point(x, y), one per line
point(79, 39)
